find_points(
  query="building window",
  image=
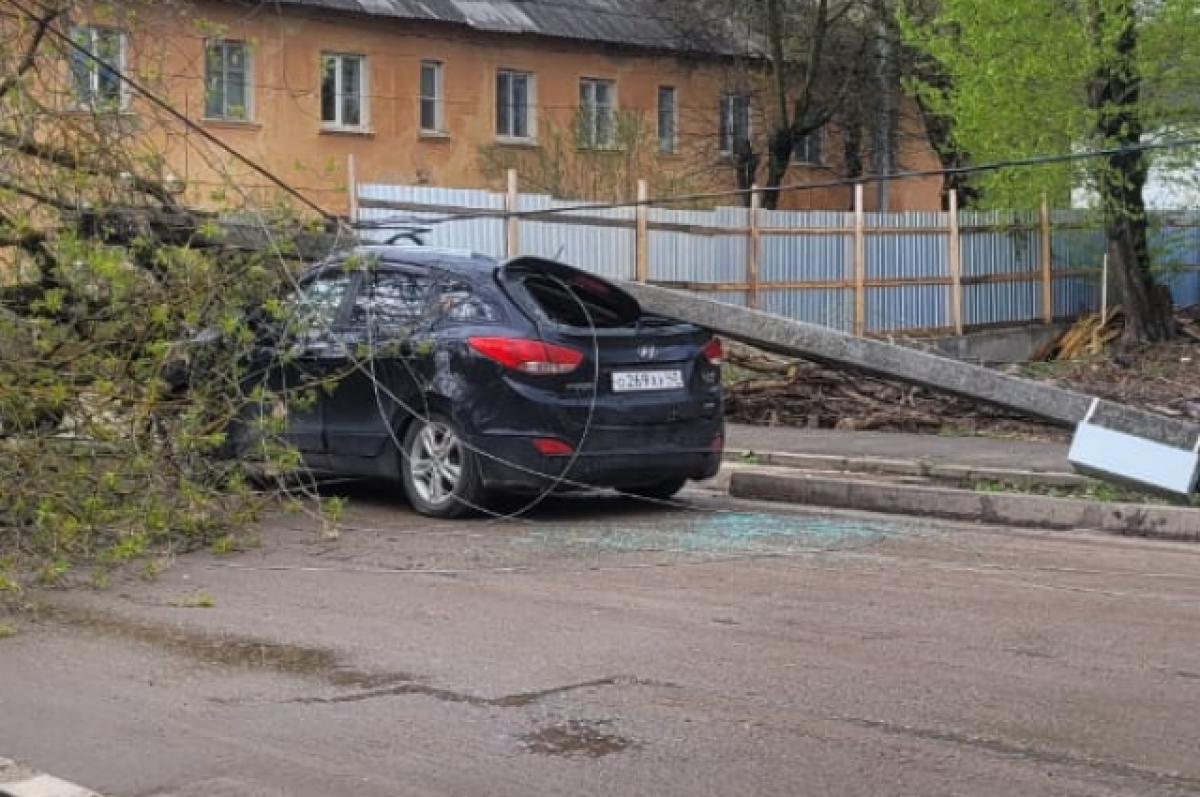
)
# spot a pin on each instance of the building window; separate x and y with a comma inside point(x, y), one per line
point(95, 72)
point(227, 80)
point(343, 90)
point(808, 148)
point(514, 105)
point(666, 120)
point(431, 97)
point(735, 122)
point(597, 114)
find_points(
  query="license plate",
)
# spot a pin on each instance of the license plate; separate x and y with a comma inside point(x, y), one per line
point(625, 381)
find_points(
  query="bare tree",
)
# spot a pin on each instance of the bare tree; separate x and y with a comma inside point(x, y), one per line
point(819, 71)
point(605, 171)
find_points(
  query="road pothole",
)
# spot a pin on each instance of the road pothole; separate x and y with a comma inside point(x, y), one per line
point(591, 739)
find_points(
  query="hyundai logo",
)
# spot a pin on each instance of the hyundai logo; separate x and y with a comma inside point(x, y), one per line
point(647, 352)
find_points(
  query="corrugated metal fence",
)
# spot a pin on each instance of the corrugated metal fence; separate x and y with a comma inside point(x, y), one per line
point(912, 273)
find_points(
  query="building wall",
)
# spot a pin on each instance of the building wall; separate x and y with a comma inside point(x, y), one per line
point(285, 135)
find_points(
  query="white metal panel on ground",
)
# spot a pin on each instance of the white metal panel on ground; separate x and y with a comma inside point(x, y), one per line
point(1125, 457)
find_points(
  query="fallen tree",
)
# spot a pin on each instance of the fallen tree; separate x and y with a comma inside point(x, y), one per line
point(103, 269)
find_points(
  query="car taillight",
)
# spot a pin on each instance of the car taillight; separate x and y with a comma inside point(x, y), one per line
point(552, 447)
point(714, 351)
point(528, 356)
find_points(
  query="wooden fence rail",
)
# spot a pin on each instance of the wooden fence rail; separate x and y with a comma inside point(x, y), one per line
point(857, 229)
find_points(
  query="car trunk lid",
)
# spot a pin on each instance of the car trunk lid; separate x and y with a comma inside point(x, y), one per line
point(636, 368)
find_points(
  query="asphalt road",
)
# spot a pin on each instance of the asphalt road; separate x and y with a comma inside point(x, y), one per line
point(601, 646)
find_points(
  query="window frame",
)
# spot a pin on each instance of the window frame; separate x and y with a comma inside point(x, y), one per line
point(340, 95)
point(728, 113)
point(435, 102)
point(802, 151)
point(400, 311)
point(590, 133)
point(224, 114)
point(312, 319)
point(96, 67)
point(530, 120)
point(668, 144)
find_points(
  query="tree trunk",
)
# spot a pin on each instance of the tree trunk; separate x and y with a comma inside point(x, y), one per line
point(1114, 95)
point(779, 158)
point(853, 166)
point(745, 168)
point(1147, 304)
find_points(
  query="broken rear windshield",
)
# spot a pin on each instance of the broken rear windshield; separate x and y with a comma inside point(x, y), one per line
point(562, 295)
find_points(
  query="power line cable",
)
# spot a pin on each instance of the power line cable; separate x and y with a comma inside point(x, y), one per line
point(1029, 162)
point(163, 105)
point(559, 480)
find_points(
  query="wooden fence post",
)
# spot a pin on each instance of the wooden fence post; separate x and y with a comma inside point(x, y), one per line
point(512, 201)
point(1047, 256)
point(955, 261)
point(641, 265)
point(860, 263)
point(352, 188)
point(753, 248)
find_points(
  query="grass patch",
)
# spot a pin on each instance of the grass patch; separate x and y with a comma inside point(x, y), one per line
point(1090, 491)
point(200, 599)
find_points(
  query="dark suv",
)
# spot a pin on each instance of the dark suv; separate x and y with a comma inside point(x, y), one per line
point(465, 377)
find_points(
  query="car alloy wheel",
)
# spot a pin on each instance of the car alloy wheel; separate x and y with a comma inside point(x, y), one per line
point(440, 472)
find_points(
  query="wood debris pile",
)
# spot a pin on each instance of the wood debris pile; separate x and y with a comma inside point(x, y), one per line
point(765, 389)
point(1162, 378)
point(1089, 336)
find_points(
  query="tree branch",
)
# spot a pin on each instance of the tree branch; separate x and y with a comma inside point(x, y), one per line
point(67, 160)
point(42, 27)
point(43, 199)
point(13, 234)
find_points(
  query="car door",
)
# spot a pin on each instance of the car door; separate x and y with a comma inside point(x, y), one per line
point(309, 356)
point(389, 315)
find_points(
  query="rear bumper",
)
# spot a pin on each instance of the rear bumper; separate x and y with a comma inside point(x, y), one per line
point(620, 459)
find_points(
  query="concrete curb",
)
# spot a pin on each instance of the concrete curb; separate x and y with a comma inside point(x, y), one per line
point(19, 781)
point(965, 475)
point(1000, 509)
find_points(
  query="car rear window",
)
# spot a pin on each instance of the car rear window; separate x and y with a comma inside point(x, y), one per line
point(577, 299)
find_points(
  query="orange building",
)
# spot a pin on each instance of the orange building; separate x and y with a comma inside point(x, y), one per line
point(581, 96)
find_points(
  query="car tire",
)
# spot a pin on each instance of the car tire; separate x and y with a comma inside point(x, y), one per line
point(659, 491)
point(439, 470)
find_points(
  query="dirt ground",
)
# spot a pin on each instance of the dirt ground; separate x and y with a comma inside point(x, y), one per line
point(1164, 378)
point(767, 390)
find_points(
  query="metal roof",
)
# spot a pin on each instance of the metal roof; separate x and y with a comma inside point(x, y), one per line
point(644, 24)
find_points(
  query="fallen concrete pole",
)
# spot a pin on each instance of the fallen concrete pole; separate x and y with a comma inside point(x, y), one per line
point(810, 341)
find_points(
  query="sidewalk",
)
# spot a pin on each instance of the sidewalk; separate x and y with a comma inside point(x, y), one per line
point(19, 781)
point(977, 452)
point(973, 479)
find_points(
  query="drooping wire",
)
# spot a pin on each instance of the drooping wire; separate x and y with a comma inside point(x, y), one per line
point(157, 101)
